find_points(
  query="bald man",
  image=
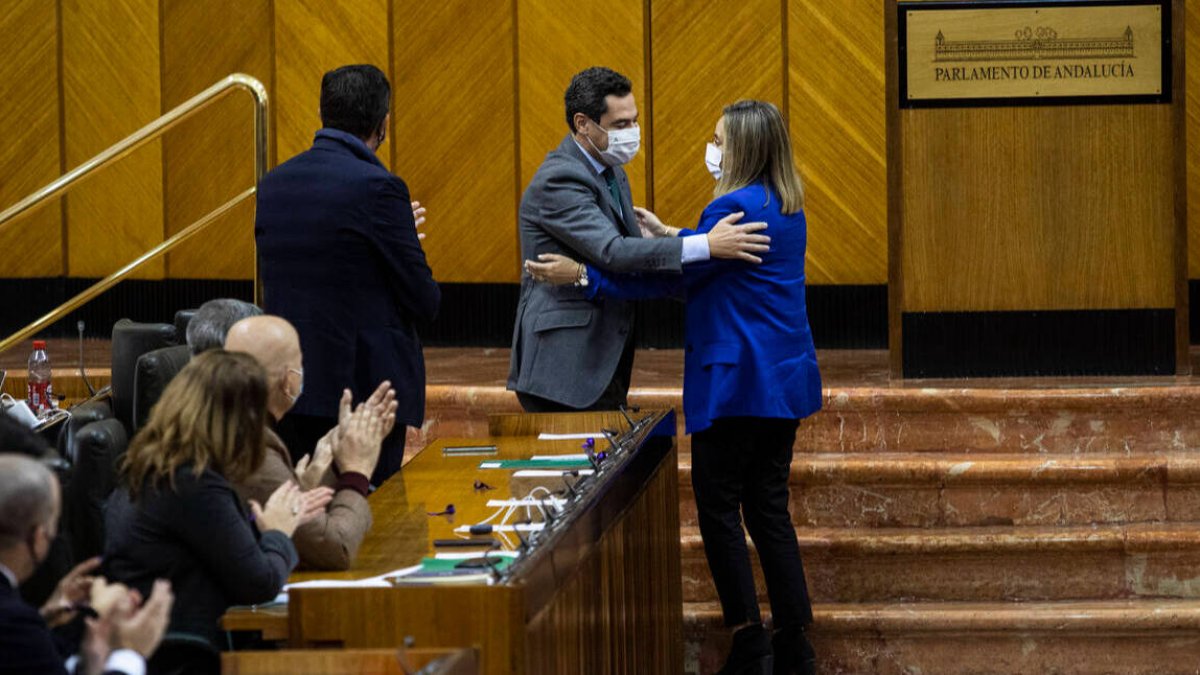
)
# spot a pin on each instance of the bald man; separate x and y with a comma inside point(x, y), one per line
point(329, 541)
point(125, 631)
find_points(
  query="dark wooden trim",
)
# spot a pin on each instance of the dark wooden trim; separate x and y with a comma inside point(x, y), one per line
point(895, 205)
point(1041, 343)
point(1183, 364)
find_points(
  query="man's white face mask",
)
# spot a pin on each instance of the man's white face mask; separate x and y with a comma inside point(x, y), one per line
point(623, 145)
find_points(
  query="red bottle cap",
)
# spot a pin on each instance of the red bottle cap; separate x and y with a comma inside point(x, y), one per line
point(39, 344)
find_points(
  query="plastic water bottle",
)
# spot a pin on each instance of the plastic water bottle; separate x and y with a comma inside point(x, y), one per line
point(39, 391)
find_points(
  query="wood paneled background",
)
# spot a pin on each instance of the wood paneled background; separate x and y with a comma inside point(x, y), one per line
point(477, 104)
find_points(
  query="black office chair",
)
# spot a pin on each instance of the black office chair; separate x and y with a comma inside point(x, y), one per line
point(182, 318)
point(153, 373)
point(184, 654)
point(98, 448)
point(81, 416)
point(130, 340)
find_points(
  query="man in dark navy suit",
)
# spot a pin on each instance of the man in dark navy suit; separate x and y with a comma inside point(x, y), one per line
point(341, 260)
point(121, 636)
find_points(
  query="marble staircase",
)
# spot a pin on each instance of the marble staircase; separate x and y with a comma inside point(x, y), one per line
point(997, 530)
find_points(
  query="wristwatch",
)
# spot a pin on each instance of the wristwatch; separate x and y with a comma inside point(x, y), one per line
point(582, 280)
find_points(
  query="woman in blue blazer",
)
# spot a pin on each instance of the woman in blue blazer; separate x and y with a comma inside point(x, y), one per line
point(750, 375)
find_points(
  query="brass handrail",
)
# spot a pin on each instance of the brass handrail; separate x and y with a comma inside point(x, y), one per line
point(122, 149)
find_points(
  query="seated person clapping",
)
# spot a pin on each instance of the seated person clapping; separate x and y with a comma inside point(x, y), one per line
point(331, 539)
point(178, 516)
point(122, 632)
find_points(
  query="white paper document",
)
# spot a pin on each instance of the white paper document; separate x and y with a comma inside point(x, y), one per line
point(476, 554)
point(547, 473)
point(568, 437)
point(523, 527)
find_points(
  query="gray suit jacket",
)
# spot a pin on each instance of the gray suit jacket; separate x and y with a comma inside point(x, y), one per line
point(565, 347)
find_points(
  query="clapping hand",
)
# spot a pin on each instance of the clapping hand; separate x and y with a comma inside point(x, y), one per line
point(123, 621)
point(311, 471)
point(289, 507)
point(72, 591)
point(419, 217)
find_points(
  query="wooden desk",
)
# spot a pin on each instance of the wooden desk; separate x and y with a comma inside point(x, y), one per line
point(340, 661)
point(600, 593)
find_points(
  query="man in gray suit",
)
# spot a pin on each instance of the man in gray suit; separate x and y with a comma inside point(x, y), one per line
point(570, 353)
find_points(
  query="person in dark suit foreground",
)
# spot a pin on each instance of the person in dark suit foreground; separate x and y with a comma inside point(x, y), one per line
point(341, 260)
point(579, 204)
point(750, 375)
point(123, 631)
point(178, 516)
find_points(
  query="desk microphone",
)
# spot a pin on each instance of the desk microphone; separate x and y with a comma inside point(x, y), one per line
point(83, 375)
point(571, 487)
point(625, 413)
point(549, 511)
point(612, 440)
point(520, 535)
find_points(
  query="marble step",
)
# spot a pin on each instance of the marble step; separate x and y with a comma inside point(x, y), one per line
point(871, 419)
point(1136, 637)
point(982, 563)
point(981, 489)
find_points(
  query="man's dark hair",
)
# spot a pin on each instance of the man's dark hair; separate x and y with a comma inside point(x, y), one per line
point(587, 90)
point(355, 99)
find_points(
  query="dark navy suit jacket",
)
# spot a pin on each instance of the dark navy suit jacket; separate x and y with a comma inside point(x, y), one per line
point(26, 643)
point(340, 259)
point(749, 348)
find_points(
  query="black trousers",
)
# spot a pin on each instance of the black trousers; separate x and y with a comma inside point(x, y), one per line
point(615, 394)
point(740, 466)
point(301, 432)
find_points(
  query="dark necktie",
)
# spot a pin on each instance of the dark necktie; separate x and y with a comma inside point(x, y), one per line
point(610, 177)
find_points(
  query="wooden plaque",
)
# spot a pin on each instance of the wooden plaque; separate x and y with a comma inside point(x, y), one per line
point(964, 54)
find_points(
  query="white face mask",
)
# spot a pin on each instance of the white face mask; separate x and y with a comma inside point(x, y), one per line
point(712, 160)
point(299, 393)
point(623, 145)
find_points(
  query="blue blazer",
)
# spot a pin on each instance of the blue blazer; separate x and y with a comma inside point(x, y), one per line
point(749, 350)
point(340, 259)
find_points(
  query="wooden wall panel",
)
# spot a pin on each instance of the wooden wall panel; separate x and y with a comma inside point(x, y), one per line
point(119, 72)
point(110, 89)
point(313, 37)
point(704, 58)
point(210, 158)
point(1074, 216)
point(29, 157)
point(452, 137)
point(1192, 72)
point(836, 118)
point(551, 50)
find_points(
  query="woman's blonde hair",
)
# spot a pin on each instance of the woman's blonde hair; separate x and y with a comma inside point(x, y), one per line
point(757, 150)
point(211, 415)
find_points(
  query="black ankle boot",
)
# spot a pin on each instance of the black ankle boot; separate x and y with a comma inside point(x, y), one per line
point(750, 654)
point(793, 652)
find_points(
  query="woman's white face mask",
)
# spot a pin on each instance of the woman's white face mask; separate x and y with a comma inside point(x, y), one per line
point(712, 160)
